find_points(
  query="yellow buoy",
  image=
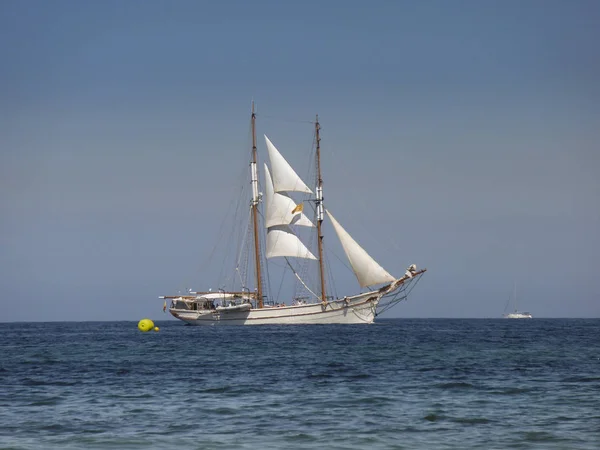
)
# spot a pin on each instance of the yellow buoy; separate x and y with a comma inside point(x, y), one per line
point(145, 325)
point(156, 328)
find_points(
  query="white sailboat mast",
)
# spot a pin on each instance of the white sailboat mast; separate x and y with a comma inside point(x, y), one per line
point(255, 200)
point(320, 212)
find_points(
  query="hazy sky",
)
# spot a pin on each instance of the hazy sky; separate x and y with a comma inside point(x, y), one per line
point(461, 136)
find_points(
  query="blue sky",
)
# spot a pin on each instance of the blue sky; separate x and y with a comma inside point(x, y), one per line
point(462, 136)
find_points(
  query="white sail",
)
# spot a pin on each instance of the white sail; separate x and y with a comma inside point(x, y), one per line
point(279, 207)
point(284, 177)
point(367, 270)
point(281, 241)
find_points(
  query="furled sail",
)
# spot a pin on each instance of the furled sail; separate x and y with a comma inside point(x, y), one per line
point(281, 241)
point(284, 177)
point(367, 270)
point(280, 208)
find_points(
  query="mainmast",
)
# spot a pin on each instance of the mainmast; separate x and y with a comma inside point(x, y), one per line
point(320, 211)
point(255, 200)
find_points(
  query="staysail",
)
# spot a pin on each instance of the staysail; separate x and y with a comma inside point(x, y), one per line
point(367, 270)
point(284, 177)
point(280, 208)
point(281, 241)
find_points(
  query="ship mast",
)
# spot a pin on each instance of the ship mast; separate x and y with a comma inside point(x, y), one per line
point(320, 211)
point(255, 200)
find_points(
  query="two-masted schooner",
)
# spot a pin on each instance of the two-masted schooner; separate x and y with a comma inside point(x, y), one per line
point(282, 216)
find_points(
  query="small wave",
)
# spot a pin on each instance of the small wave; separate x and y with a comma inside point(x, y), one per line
point(455, 385)
point(50, 401)
point(33, 382)
point(224, 411)
point(56, 428)
point(539, 436)
point(137, 411)
point(374, 401)
point(359, 376)
point(335, 364)
point(91, 431)
point(129, 396)
point(581, 380)
point(337, 373)
point(227, 389)
point(511, 391)
point(318, 376)
point(471, 420)
point(568, 419)
point(432, 417)
point(429, 369)
point(302, 437)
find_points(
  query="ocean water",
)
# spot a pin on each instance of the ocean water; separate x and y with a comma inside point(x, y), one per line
point(396, 384)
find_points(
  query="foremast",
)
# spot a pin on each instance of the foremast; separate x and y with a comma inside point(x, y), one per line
point(255, 201)
point(320, 211)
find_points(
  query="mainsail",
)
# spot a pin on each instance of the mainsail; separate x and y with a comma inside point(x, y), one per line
point(367, 270)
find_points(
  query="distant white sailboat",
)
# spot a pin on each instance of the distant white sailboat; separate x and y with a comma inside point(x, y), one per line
point(516, 314)
point(281, 215)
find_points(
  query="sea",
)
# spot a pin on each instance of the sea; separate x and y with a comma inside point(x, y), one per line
point(395, 384)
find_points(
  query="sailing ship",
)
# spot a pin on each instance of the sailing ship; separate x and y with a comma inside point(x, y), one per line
point(516, 314)
point(283, 218)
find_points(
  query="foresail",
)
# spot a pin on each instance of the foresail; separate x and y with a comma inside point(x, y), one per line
point(367, 270)
point(281, 241)
point(284, 177)
point(281, 209)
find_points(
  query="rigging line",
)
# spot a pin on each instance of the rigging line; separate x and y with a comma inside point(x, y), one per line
point(265, 261)
point(300, 279)
point(241, 250)
point(365, 207)
point(332, 285)
point(240, 207)
point(222, 230)
point(246, 250)
point(237, 218)
point(305, 267)
point(280, 287)
point(237, 270)
point(279, 119)
point(239, 202)
point(330, 250)
point(240, 244)
point(405, 290)
point(400, 296)
point(263, 246)
point(239, 266)
point(235, 199)
point(311, 170)
point(277, 264)
point(233, 190)
point(411, 286)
